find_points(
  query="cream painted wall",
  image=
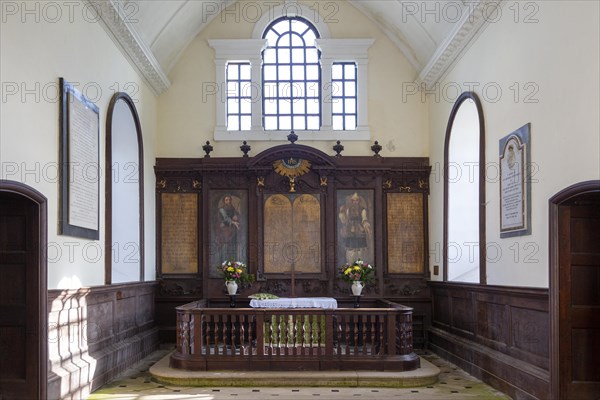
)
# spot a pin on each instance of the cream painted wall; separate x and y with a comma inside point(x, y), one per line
point(554, 63)
point(37, 47)
point(187, 117)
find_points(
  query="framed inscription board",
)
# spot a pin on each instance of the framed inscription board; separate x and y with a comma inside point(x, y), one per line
point(292, 233)
point(179, 236)
point(405, 233)
point(79, 164)
point(515, 185)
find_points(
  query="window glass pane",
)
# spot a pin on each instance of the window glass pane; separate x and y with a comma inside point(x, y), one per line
point(283, 56)
point(312, 89)
point(232, 89)
point(349, 89)
point(337, 122)
point(232, 71)
point(298, 26)
point(336, 71)
point(298, 90)
point(350, 123)
point(246, 123)
point(233, 123)
point(246, 89)
point(284, 72)
point(299, 107)
point(246, 106)
point(309, 38)
point(233, 107)
point(270, 123)
point(337, 106)
point(285, 123)
point(245, 72)
point(284, 40)
point(270, 107)
point(285, 107)
point(312, 106)
point(270, 72)
point(299, 123)
point(269, 89)
point(298, 72)
point(312, 72)
point(336, 89)
point(297, 56)
point(313, 123)
point(350, 106)
point(271, 38)
point(312, 55)
point(282, 26)
point(269, 56)
point(350, 71)
point(285, 89)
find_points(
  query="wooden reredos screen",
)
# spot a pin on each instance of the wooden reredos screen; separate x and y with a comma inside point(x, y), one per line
point(294, 214)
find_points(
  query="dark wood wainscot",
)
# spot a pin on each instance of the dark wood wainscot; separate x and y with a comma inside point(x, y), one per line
point(299, 215)
point(499, 334)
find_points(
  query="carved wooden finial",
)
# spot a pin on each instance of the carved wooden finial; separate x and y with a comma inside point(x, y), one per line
point(338, 148)
point(245, 148)
point(292, 137)
point(376, 149)
point(207, 148)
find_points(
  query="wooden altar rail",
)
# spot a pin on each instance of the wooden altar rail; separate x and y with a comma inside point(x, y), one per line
point(294, 339)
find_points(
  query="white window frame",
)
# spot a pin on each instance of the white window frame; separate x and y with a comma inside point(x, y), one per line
point(332, 50)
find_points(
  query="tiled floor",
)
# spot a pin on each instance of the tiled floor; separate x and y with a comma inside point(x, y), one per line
point(453, 383)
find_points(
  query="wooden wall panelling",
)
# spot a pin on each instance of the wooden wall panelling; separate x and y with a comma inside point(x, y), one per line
point(499, 334)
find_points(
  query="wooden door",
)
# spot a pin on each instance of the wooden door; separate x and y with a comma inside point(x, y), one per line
point(20, 362)
point(579, 297)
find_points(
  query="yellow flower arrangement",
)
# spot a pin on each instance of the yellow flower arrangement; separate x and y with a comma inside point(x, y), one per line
point(357, 271)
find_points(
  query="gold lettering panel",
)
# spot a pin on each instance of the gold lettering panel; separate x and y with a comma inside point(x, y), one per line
point(292, 233)
point(179, 233)
point(406, 253)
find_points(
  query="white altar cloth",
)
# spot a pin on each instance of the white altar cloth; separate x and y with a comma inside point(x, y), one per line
point(295, 302)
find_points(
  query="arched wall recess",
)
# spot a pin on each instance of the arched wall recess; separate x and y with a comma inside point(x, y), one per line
point(124, 261)
point(464, 192)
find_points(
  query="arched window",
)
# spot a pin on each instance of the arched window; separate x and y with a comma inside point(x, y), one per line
point(124, 192)
point(291, 76)
point(464, 192)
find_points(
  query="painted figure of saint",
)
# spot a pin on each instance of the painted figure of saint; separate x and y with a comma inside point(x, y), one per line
point(355, 228)
point(228, 229)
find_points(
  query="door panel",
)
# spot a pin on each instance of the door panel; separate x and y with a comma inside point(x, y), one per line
point(579, 290)
point(19, 298)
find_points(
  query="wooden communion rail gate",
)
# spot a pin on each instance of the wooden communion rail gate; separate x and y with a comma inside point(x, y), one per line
point(294, 339)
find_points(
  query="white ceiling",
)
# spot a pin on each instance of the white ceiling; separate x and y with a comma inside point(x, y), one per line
point(431, 34)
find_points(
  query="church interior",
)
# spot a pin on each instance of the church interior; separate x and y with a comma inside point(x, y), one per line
point(424, 174)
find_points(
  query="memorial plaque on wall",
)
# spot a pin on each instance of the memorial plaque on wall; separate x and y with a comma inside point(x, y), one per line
point(515, 185)
point(292, 233)
point(179, 233)
point(406, 253)
point(80, 164)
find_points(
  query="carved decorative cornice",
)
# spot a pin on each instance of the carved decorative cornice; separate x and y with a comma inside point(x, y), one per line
point(448, 53)
point(119, 27)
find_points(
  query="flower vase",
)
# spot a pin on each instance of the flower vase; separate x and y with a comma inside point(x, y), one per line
point(232, 287)
point(357, 287)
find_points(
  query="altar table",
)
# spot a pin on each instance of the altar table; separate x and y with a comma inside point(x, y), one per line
point(296, 302)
